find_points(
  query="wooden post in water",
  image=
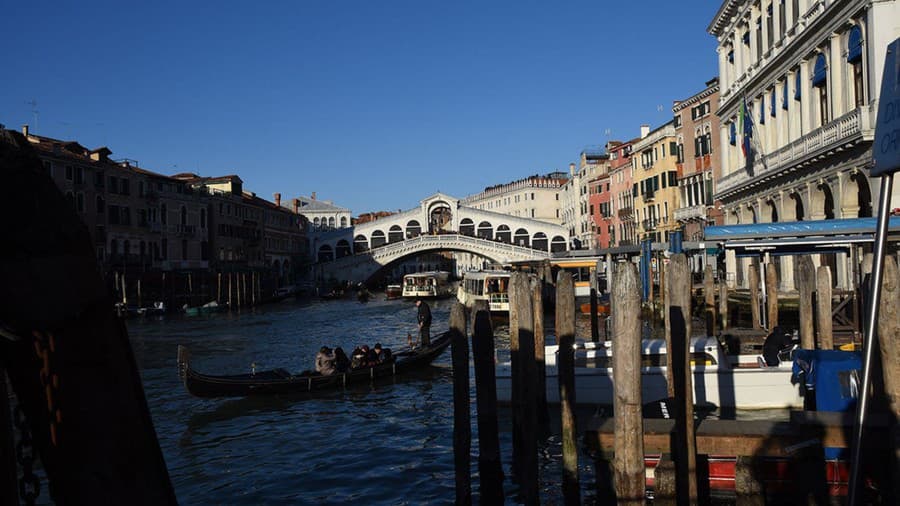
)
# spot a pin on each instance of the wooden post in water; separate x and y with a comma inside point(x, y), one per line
point(230, 306)
point(124, 290)
point(825, 339)
point(629, 445)
point(565, 338)
point(253, 288)
point(806, 274)
point(520, 301)
point(709, 297)
point(540, 361)
point(490, 469)
point(219, 287)
point(462, 423)
point(595, 324)
point(771, 295)
point(515, 390)
point(139, 295)
point(889, 344)
point(754, 293)
point(723, 305)
point(190, 285)
point(679, 355)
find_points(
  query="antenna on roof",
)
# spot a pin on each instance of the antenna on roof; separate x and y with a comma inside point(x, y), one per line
point(34, 111)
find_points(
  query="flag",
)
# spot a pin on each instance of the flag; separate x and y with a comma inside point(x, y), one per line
point(746, 127)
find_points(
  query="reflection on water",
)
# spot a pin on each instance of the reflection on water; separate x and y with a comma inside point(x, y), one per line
point(384, 443)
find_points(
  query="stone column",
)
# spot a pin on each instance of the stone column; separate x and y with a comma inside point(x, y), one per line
point(835, 82)
point(806, 114)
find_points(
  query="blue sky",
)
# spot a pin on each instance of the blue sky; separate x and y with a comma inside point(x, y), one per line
point(372, 104)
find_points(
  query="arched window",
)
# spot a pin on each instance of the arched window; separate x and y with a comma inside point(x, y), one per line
point(326, 254)
point(395, 234)
point(467, 227)
point(360, 244)
point(378, 239)
point(316, 222)
point(558, 244)
point(331, 222)
point(485, 230)
point(342, 249)
point(343, 222)
point(521, 238)
point(540, 241)
point(413, 229)
point(504, 234)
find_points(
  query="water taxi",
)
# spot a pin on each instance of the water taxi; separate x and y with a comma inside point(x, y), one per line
point(492, 286)
point(427, 285)
point(722, 380)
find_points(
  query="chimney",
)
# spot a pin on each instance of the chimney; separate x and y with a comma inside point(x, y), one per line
point(572, 169)
point(645, 131)
point(25, 130)
point(296, 206)
point(313, 195)
point(278, 199)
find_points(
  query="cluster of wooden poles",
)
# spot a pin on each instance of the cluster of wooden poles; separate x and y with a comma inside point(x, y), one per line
point(676, 478)
point(238, 289)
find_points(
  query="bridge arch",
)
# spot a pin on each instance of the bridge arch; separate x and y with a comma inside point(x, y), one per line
point(413, 229)
point(440, 215)
point(503, 234)
point(485, 230)
point(467, 227)
point(395, 234)
point(326, 254)
point(360, 244)
point(378, 239)
point(521, 238)
point(557, 244)
point(539, 241)
point(342, 249)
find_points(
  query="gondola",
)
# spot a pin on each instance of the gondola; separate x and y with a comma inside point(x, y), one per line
point(280, 381)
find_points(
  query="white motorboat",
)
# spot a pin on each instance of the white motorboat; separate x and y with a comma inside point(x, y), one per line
point(721, 380)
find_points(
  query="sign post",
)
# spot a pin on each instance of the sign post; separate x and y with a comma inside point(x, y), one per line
point(886, 161)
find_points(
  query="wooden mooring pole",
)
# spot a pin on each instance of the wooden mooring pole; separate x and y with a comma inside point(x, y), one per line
point(565, 337)
point(540, 361)
point(595, 324)
point(806, 274)
point(629, 445)
point(753, 276)
point(525, 408)
point(490, 469)
point(462, 423)
point(709, 297)
point(723, 305)
point(889, 344)
point(771, 295)
point(825, 339)
point(219, 287)
point(679, 316)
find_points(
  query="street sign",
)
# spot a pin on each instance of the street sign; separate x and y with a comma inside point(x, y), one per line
point(886, 150)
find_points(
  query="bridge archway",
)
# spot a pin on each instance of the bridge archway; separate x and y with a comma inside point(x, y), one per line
point(360, 244)
point(326, 254)
point(521, 238)
point(440, 216)
point(485, 230)
point(395, 234)
point(342, 249)
point(504, 234)
point(539, 241)
point(467, 227)
point(557, 244)
point(378, 239)
point(413, 229)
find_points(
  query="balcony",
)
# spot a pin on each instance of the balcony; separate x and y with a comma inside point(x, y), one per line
point(625, 213)
point(649, 224)
point(183, 230)
point(701, 163)
point(691, 213)
point(857, 125)
point(649, 196)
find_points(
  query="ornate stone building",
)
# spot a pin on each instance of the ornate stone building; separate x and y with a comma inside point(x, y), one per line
point(806, 75)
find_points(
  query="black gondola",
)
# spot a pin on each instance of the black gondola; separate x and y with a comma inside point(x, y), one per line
point(280, 381)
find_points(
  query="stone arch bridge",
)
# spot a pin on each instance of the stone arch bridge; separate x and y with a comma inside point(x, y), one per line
point(440, 223)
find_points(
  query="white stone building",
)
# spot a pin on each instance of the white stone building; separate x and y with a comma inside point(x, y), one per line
point(322, 214)
point(809, 72)
point(535, 197)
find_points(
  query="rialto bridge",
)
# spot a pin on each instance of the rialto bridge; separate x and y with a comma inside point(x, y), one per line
point(439, 223)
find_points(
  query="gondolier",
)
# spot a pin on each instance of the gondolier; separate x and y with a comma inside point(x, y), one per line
point(424, 318)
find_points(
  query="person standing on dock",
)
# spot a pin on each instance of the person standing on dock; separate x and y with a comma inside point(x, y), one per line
point(424, 317)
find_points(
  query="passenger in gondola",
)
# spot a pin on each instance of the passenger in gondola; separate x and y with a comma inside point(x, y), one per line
point(370, 359)
point(358, 358)
point(341, 361)
point(381, 354)
point(325, 361)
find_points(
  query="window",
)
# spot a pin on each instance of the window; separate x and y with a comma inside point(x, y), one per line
point(854, 57)
point(70, 173)
point(163, 215)
point(101, 205)
point(113, 184)
point(784, 95)
point(797, 85)
point(820, 81)
point(79, 175)
point(184, 249)
point(125, 188)
point(762, 110)
point(731, 56)
point(99, 179)
point(79, 202)
point(732, 137)
point(772, 106)
point(183, 215)
point(202, 218)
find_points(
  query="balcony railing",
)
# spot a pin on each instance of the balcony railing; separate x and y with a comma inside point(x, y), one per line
point(625, 213)
point(650, 224)
point(857, 124)
point(690, 213)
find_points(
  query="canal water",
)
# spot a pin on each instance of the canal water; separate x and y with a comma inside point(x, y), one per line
point(388, 443)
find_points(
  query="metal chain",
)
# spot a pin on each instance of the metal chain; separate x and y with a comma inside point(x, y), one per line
point(29, 483)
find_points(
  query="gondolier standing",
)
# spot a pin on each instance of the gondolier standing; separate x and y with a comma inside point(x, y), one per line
point(424, 318)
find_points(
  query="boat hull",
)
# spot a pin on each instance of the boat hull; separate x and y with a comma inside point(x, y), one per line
point(758, 388)
point(279, 381)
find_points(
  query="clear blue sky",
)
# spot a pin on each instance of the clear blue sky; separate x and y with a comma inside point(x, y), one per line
point(372, 104)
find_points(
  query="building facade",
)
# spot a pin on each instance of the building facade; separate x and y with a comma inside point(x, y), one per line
point(621, 193)
point(804, 76)
point(655, 183)
point(323, 215)
point(698, 164)
point(536, 197)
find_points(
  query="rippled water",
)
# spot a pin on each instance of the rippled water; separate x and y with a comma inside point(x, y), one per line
point(389, 443)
